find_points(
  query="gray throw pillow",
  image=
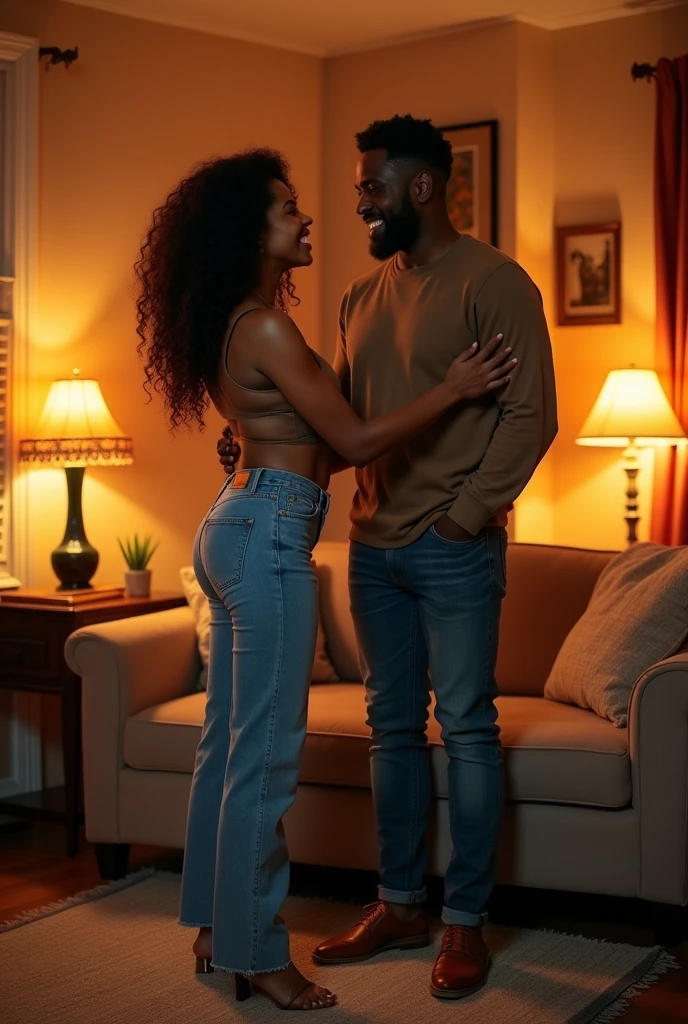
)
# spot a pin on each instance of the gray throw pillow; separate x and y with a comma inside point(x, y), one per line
point(637, 615)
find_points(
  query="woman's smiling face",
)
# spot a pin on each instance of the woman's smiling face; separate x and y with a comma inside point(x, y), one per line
point(285, 239)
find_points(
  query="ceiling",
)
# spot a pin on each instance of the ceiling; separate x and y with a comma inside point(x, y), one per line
point(330, 27)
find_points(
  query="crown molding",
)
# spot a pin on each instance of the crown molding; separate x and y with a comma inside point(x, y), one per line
point(556, 22)
point(417, 37)
point(197, 25)
point(552, 23)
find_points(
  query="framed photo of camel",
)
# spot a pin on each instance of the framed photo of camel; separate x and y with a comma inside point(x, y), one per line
point(588, 274)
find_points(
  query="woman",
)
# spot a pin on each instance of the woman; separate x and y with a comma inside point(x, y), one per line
point(215, 283)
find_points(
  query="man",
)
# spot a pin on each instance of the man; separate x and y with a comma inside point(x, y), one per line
point(428, 544)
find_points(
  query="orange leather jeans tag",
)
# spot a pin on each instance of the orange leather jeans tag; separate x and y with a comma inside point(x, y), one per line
point(241, 479)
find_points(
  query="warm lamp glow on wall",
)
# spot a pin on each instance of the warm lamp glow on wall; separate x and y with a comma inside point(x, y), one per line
point(631, 412)
point(76, 430)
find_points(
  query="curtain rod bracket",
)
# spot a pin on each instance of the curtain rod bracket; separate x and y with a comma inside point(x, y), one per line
point(646, 71)
point(58, 56)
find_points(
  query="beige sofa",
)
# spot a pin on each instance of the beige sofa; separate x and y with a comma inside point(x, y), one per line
point(589, 808)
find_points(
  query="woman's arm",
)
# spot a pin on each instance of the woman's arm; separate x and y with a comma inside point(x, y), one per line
point(340, 364)
point(281, 354)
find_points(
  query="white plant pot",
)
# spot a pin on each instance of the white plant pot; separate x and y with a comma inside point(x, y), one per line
point(137, 582)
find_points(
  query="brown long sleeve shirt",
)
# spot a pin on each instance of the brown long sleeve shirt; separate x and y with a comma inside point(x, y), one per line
point(399, 330)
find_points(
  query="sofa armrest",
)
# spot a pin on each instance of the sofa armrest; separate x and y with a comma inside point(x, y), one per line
point(658, 738)
point(125, 666)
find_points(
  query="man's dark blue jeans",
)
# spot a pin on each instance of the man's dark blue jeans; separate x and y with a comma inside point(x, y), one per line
point(427, 616)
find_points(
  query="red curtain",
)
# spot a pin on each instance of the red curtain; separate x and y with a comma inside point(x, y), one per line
point(670, 505)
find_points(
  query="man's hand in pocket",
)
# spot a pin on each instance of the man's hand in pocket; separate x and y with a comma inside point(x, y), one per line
point(449, 530)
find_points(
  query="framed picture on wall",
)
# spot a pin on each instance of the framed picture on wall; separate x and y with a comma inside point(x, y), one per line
point(588, 274)
point(472, 188)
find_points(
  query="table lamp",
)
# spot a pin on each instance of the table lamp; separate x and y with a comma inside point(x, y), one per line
point(76, 430)
point(631, 412)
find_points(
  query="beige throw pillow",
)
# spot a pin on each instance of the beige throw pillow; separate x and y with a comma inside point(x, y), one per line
point(637, 615)
point(323, 669)
point(198, 603)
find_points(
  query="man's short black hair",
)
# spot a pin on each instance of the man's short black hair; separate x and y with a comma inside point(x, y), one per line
point(408, 138)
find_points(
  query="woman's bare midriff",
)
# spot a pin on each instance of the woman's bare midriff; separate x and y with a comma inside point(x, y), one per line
point(309, 460)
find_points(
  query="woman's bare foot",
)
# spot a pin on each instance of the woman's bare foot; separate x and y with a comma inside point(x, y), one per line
point(203, 946)
point(289, 988)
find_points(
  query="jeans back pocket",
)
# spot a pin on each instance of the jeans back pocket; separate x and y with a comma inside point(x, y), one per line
point(223, 548)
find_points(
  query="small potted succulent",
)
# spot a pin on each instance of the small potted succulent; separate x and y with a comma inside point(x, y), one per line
point(137, 554)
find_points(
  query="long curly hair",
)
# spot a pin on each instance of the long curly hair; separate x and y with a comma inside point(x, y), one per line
point(200, 258)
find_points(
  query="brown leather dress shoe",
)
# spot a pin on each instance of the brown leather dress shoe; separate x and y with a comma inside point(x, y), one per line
point(461, 968)
point(378, 930)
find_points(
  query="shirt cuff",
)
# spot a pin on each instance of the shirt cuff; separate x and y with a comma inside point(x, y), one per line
point(469, 513)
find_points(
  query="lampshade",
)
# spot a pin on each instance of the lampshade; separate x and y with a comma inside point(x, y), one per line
point(631, 409)
point(77, 429)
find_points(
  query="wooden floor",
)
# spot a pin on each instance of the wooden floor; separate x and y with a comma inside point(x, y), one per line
point(35, 871)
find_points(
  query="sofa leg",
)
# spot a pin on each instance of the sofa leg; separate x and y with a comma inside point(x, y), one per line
point(670, 924)
point(113, 859)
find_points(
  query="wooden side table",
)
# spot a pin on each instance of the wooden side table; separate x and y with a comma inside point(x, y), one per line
point(32, 640)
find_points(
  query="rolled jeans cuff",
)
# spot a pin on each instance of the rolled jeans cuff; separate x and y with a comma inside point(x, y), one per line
point(463, 917)
point(404, 898)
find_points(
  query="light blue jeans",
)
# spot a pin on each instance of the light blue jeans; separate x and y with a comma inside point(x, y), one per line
point(252, 557)
point(428, 615)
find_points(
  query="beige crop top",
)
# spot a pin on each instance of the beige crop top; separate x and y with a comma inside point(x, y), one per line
point(263, 416)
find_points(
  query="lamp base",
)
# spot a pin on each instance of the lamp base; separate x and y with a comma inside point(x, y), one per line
point(631, 467)
point(74, 568)
point(74, 561)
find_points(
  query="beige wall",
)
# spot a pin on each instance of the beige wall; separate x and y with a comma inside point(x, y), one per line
point(534, 189)
point(141, 105)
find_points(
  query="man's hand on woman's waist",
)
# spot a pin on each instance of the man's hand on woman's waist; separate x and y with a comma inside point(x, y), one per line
point(228, 450)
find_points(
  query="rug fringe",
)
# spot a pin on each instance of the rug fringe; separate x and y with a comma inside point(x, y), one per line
point(572, 935)
point(87, 896)
point(664, 962)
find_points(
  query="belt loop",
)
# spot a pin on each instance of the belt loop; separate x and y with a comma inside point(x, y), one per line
point(227, 482)
point(255, 477)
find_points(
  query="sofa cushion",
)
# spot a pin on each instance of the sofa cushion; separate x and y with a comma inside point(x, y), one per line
point(164, 738)
point(554, 753)
point(550, 586)
point(637, 616)
point(332, 561)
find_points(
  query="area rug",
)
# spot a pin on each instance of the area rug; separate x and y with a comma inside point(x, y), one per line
point(115, 955)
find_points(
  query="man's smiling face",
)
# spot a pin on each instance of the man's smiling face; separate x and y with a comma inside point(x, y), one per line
point(385, 203)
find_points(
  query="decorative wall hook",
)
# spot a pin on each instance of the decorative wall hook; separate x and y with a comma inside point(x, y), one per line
point(58, 56)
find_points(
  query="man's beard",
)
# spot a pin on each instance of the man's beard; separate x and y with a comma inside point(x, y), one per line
point(399, 232)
